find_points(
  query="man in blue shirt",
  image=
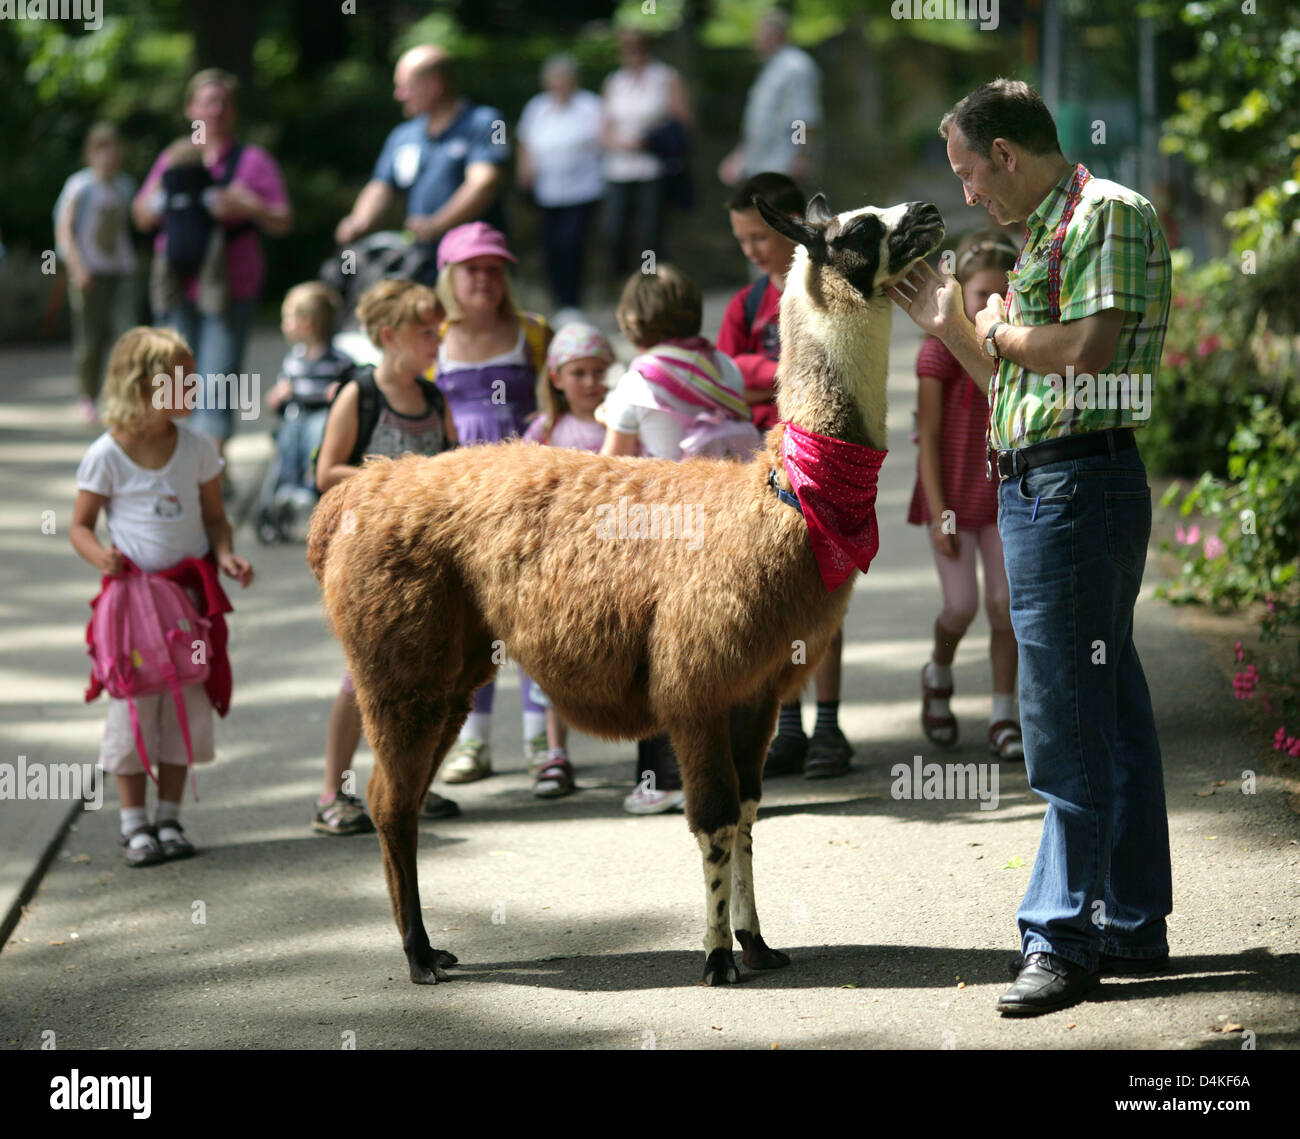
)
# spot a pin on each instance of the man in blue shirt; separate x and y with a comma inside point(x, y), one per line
point(447, 158)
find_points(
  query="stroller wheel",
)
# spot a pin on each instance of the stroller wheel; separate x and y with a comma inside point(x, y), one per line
point(267, 528)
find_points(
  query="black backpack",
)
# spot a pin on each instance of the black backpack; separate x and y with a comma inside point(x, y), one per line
point(186, 223)
point(754, 300)
point(369, 406)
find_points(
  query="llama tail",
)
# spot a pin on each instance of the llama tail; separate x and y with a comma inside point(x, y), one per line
point(325, 519)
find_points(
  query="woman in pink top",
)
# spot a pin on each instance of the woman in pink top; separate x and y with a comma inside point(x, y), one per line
point(246, 202)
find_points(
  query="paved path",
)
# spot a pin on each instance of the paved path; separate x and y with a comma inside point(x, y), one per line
point(580, 926)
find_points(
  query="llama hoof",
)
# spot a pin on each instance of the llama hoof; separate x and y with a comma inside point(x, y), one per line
point(755, 953)
point(426, 966)
point(720, 968)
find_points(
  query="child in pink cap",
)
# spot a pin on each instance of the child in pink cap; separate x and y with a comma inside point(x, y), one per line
point(569, 393)
point(491, 358)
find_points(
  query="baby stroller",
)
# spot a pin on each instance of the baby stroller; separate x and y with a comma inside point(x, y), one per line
point(384, 254)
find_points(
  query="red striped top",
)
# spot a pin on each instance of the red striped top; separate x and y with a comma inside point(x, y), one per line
point(965, 413)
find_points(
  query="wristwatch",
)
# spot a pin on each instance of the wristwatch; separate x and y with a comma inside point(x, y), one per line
point(990, 345)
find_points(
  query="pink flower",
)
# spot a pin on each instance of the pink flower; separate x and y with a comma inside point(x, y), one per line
point(1180, 301)
point(1279, 739)
point(1237, 649)
point(1294, 750)
point(1207, 346)
point(1214, 546)
point(1187, 537)
point(1176, 359)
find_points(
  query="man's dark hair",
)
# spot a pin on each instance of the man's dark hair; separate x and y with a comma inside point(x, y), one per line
point(780, 191)
point(1005, 108)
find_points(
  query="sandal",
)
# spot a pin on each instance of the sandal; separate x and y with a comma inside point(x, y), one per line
point(1005, 741)
point(941, 730)
point(554, 779)
point(171, 836)
point(344, 814)
point(150, 854)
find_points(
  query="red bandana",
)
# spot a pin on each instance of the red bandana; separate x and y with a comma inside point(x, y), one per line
point(835, 483)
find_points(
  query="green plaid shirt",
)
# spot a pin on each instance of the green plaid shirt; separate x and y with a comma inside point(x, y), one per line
point(1114, 256)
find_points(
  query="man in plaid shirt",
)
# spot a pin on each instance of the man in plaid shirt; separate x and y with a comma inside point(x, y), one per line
point(1070, 368)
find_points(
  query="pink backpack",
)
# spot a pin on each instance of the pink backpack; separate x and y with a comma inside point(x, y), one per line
point(145, 631)
point(722, 428)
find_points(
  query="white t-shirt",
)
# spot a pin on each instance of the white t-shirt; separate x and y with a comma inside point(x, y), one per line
point(634, 105)
point(101, 227)
point(787, 90)
point(659, 433)
point(564, 141)
point(154, 517)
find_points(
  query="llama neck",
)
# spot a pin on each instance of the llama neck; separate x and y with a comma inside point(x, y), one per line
point(834, 363)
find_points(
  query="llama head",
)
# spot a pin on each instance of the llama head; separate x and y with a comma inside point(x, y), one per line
point(868, 249)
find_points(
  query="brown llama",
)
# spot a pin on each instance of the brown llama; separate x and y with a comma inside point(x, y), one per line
point(433, 568)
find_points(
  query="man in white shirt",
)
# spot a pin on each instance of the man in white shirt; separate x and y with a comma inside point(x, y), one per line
point(783, 109)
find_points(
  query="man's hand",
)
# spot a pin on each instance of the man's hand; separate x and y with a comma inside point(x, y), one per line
point(934, 303)
point(990, 314)
point(235, 203)
point(423, 228)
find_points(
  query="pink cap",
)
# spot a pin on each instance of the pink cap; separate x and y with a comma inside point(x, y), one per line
point(473, 239)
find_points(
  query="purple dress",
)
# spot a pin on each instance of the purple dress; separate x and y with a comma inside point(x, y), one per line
point(489, 400)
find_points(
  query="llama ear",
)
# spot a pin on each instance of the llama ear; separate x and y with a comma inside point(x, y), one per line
point(818, 211)
point(787, 225)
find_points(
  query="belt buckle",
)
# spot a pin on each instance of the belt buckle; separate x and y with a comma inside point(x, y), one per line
point(1006, 464)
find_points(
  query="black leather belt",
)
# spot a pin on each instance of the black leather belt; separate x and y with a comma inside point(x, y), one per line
point(1017, 462)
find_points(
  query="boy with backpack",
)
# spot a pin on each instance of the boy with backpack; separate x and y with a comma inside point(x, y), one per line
point(386, 409)
point(750, 335)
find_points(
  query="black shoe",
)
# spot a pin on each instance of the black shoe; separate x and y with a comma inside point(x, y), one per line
point(828, 755)
point(1045, 984)
point(1111, 966)
point(436, 807)
point(785, 755)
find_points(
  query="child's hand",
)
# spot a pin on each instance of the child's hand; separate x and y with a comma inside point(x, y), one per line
point(949, 545)
point(279, 394)
point(238, 568)
point(110, 562)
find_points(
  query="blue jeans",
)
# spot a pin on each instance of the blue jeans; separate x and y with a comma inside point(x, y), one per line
point(1074, 535)
point(299, 435)
point(218, 345)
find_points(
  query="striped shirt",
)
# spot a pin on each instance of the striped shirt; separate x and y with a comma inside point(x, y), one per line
point(1114, 256)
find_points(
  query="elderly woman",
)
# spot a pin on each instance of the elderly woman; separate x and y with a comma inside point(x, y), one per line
point(559, 162)
point(640, 96)
point(247, 199)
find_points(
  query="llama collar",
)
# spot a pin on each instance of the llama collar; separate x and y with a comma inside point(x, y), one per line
point(835, 483)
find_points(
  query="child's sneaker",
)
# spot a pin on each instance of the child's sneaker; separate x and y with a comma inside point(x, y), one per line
point(343, 814)
point(643, 801)
point(469, 760)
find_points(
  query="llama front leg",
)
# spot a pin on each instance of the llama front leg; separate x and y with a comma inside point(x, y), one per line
point(719, 962)
point(744, 911)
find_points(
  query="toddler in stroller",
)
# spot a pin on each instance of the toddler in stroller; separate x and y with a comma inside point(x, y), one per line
point(309, 377)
